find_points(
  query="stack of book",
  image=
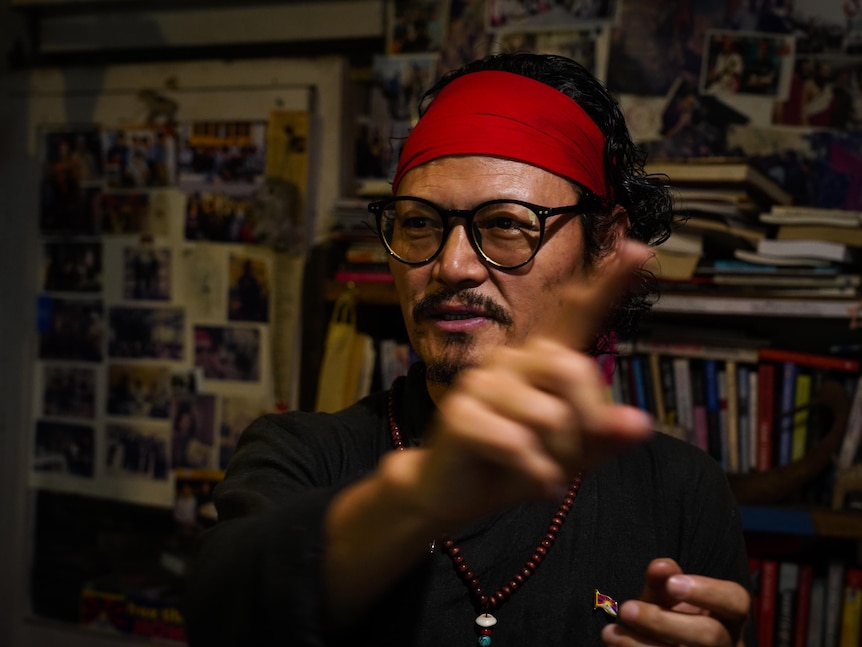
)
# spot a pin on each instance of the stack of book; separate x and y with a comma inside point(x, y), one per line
point(351, 216)
point(717, 202)
point(361, 257)
point(739, 236)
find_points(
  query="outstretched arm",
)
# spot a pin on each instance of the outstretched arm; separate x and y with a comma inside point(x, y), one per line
point(516, 429)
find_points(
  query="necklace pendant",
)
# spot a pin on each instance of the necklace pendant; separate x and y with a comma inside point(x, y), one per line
point(486, 623)
point(486, 620)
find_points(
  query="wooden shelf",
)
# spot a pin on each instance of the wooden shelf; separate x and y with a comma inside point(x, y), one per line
point(811, 522)
point(384, 293)
point(757, 307)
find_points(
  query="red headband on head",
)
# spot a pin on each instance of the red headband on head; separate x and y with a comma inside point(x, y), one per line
point(508, 115)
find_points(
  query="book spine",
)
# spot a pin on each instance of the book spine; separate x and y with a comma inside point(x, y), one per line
point(668, 390)
point(765, 411)
point(802, 396)
point(731, 398)
point(768, 595)
point(684, 402)
point(785, 421)
point(713, 409)
point(755, 567)
point(743, 423)
point(638, 388)
point(700, 432)
point(753, 408)
point(817, 611)
point(834, 601)
point(785, 603)
point(851, 615)
point(656, 393)
point(803, 605)
point(624, 369)
point(853, 434)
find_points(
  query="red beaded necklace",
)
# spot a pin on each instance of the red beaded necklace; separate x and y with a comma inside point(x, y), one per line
point(485, 603)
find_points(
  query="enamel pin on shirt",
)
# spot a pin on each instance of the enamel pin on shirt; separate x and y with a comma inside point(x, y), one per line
point(606, 604)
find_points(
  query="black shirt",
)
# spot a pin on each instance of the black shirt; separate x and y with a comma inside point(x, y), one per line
point(256, 579)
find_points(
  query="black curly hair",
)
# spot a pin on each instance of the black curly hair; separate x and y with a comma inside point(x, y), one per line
point(645, 199)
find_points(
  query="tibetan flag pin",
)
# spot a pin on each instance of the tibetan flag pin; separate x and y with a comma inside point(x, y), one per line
point(606, 604)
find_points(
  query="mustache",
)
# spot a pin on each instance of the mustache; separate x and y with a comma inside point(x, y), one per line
point(426, 307)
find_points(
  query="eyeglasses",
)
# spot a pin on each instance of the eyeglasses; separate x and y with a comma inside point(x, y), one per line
point(507, 233)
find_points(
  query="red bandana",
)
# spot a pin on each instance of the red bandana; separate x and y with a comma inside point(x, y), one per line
point(510, 116)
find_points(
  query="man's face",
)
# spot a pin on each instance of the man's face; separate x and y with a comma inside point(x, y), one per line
point(457, 307)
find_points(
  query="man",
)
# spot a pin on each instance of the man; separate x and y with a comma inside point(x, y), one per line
point(520, 506)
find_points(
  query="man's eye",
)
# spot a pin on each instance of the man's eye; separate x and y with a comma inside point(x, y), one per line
point(416, 222)
point(502, 222)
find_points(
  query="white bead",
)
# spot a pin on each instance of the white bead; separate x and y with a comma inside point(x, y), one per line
point(486, 620)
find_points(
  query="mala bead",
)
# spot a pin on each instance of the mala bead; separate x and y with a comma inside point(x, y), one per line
point(486, 602)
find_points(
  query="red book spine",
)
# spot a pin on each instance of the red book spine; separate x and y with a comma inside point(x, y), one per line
point(767, 354)
point(803, 605)
point(765, 412)
point(768, 592)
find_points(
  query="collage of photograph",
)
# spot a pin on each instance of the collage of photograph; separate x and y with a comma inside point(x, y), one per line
point(695, 79)
point(154, 307)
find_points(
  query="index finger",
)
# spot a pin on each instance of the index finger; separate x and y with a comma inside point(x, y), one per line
point(586, 304)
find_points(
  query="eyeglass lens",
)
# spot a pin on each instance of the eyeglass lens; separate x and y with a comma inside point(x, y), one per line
point(506, 233)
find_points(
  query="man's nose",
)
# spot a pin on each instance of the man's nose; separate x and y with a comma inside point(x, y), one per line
point(459, 261)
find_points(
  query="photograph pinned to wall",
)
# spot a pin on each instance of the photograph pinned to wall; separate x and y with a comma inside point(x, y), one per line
point(220, 216)
point(221, 153)
point(654, 43)
point(68, 391)
point(202, 281)
point(416, 26)
point(399, 82)
point(64, 449)
point(547, 15)
point(71, 178)
point(71, 329)
point(139, 390)
point(139, 157)
point(193, 432)
point(825, 92)
point(693, 125)
point(589, 47)
point(138, 451)
point(146, 333)
point(467, 39)
point(127, 212)
point(72, 266)
point(747, 63)
point(237, 413)
point(147, 271)
point(249, 288)
point(193, 508)
point(228, 352)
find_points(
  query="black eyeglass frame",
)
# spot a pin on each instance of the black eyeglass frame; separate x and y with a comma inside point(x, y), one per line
point(589, 203)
